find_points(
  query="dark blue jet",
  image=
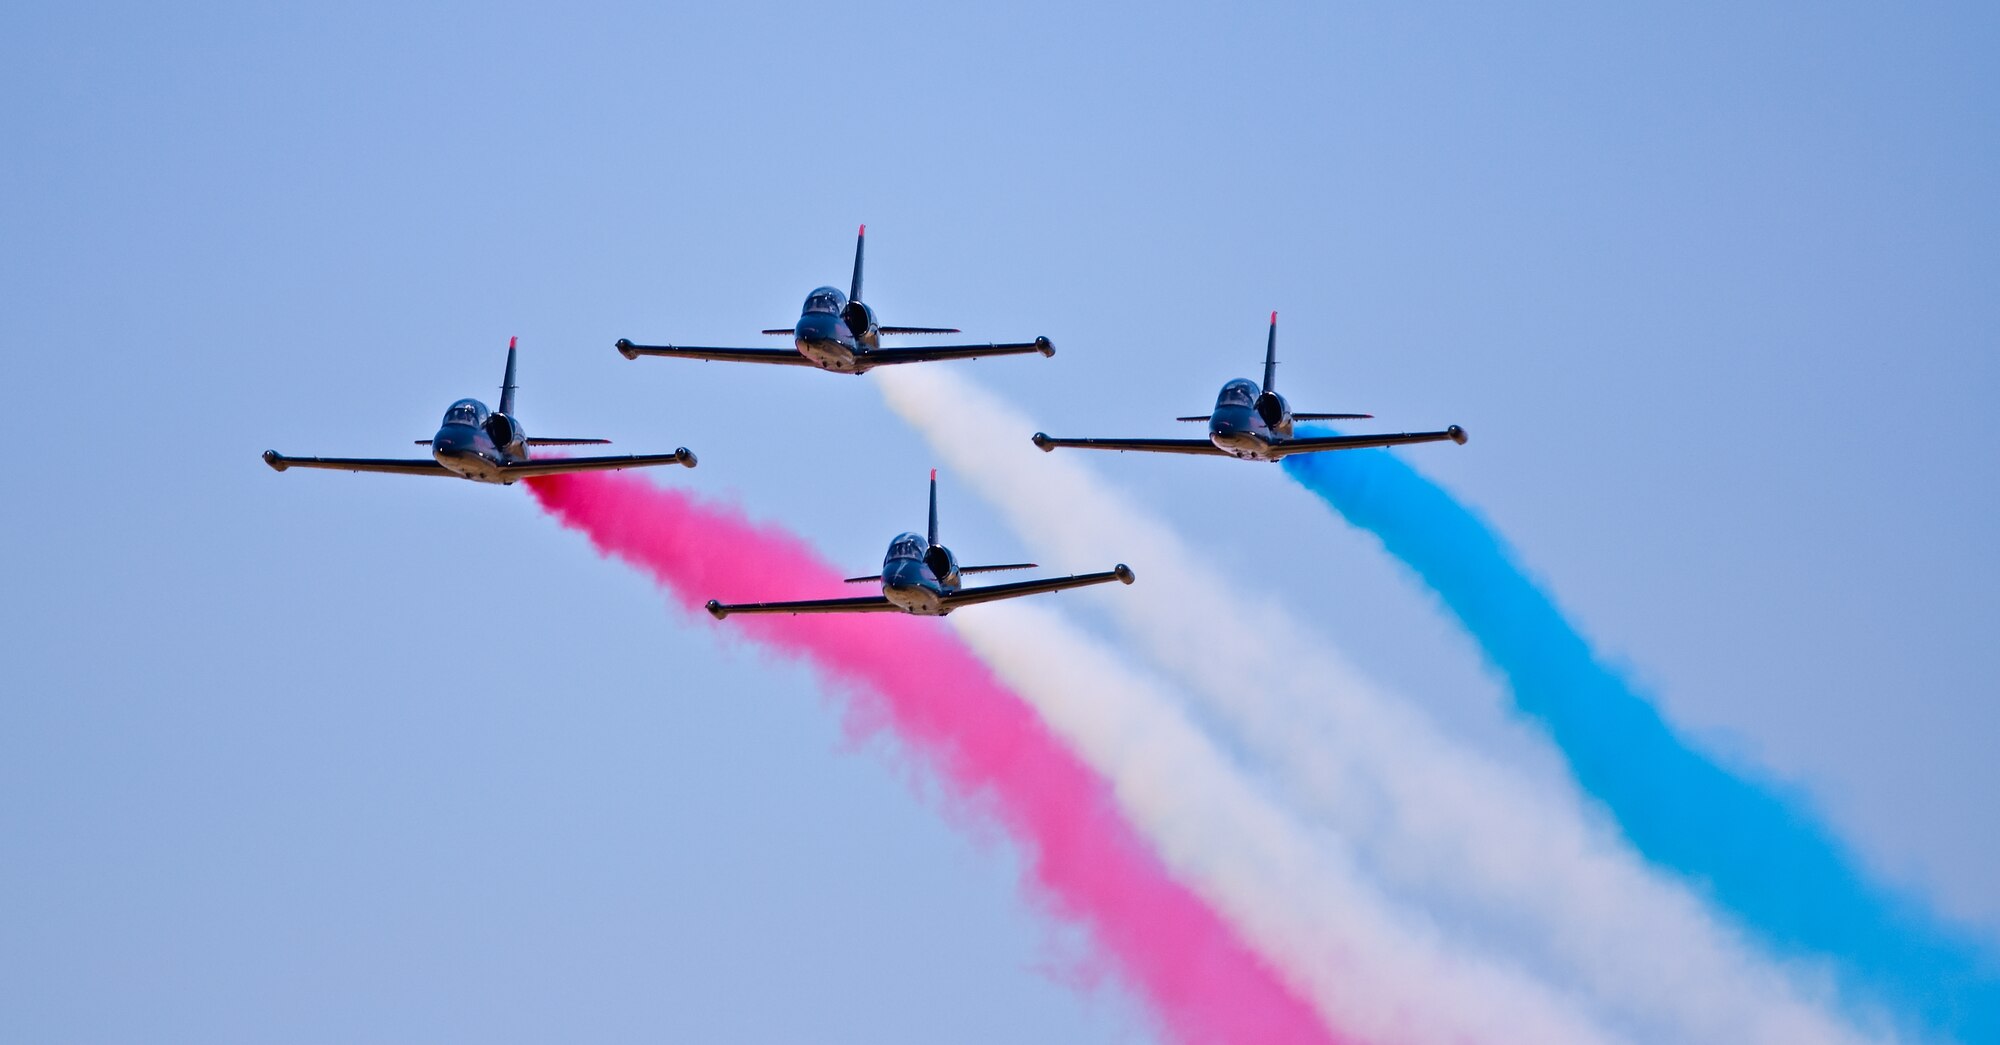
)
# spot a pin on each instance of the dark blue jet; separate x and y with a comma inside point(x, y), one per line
point(487, 446)
point(837, 332)
point(1253, 424)
point(921, 576)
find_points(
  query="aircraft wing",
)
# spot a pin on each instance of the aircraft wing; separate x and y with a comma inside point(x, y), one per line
point(862, 604)
point(1313, 445)
point(992, 592)
point(565, 465)
point(885, 356)
point(778, 356)
point(1157, 446)
point(425, 466)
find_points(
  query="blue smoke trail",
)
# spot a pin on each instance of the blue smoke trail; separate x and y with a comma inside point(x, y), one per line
point(1750, 845)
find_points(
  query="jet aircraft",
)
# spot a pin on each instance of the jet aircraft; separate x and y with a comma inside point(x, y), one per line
point(1254, 424)
point(487, 446)
point(921, 576)
point(837, 332)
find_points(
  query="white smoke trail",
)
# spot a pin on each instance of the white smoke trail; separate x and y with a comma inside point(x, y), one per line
point(1372, 970)
point(1435, 821)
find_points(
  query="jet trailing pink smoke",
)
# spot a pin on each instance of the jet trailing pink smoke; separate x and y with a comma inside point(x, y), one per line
point(1085, 861)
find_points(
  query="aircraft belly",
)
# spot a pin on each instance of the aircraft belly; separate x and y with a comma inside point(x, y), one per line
point(1243, 446)
point(473, 466)
point(915, 598)
point(827, 355)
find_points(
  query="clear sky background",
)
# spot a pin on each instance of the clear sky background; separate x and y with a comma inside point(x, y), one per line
point(329, 757)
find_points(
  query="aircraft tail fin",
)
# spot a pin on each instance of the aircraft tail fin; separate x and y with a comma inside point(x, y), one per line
point(860, 241)
point(933, 529)
point(1271, 356)
point(507, 383)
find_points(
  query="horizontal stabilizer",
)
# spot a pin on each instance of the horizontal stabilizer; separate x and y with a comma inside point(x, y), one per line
point(962, 569)
point(539, 441)
point(1202, 417)
point(775, 331)
point(919, 330)
point(1331, 417)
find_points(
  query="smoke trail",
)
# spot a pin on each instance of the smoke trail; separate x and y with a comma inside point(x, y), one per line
point(1525, 870)
point(1295, 893)
point(1757, 849)
point(992, 753)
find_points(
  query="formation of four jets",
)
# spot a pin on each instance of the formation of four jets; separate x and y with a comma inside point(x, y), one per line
point(838, 333)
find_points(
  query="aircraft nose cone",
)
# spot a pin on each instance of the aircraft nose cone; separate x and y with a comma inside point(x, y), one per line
point(450, 451)
point(815, 327)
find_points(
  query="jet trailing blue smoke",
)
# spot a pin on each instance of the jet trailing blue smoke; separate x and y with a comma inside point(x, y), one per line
point(1754, 848)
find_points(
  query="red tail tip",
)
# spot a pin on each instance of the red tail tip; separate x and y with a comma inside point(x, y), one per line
point(862, 231)
point(1274, 319)
point(511, 340)
point(933, 475)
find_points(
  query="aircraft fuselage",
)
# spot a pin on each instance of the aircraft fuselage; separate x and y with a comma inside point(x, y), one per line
point(835, 333)
point(1248, 422)
point(468, 451)
point(919, 583)
point(465, 446)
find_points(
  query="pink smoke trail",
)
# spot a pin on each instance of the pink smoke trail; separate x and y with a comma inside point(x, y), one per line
point(1086, 862)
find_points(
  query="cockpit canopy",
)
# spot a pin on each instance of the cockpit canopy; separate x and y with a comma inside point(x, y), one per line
point(826, 299)
point(466, 412)
point(1240, 392)
point(908, 546)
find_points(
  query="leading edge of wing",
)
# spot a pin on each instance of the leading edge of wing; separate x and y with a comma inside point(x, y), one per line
point(974, 596)
point(861, 604)
point(1319, 444)
point(279, 462)
point(1156, 446)
point(777, 356)
point(564, 465)
point(887, 356)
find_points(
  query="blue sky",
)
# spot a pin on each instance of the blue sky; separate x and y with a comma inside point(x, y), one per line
point(326, 757)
